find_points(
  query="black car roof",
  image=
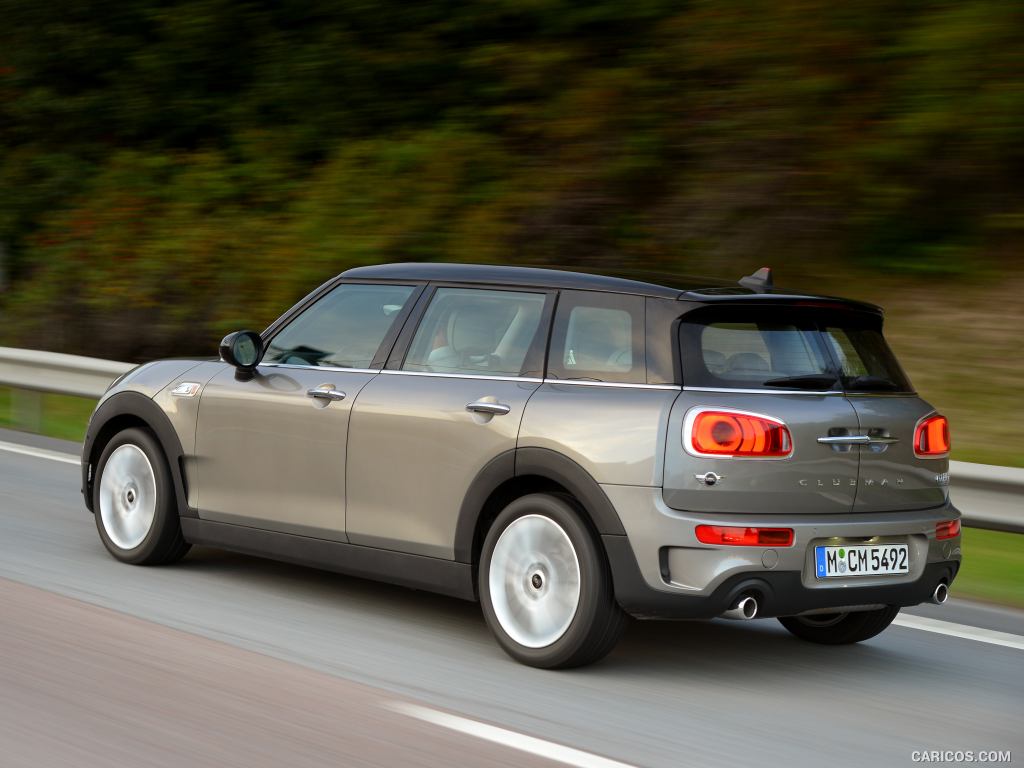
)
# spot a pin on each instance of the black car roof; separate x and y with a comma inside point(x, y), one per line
point(640, 283)
point(499, 275)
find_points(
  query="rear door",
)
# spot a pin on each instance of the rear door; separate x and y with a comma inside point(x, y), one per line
point(423, 430)
point(765, 363)
point(892, 476)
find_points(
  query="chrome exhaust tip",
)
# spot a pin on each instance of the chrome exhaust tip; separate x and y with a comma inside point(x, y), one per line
point(744, 610)
point(941, 593)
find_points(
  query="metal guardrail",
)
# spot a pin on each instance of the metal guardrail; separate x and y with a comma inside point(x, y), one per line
point(53, 372)
point(994, 495)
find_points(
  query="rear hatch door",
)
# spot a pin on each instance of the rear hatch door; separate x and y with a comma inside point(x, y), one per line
point(825, 371)
point(770, 361)
point(891, 477)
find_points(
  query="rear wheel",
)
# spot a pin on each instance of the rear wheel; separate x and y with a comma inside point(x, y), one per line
point(840, 628)
point(545, 586)
point(134, 503)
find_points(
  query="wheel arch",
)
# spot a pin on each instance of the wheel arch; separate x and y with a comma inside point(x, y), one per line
point(122, 411)
point(519, 472)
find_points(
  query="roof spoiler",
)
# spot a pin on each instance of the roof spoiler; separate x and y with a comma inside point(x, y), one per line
point(759, 282)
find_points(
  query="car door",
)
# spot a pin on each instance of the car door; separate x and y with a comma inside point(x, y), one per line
point(420, 433)
point(893, 476)
point(270, 447)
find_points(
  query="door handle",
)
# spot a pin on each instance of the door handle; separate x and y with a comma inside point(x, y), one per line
point(482, 406)
point(857, 440)
point(326, 393)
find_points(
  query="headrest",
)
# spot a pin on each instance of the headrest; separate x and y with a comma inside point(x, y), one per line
point(471, 330)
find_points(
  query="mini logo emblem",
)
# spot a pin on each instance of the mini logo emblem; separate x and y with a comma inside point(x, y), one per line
point(709, 478)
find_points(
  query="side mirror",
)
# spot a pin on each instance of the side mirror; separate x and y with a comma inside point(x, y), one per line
point(242, 349)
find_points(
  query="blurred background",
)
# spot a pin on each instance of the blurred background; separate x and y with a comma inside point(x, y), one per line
point(172, 171)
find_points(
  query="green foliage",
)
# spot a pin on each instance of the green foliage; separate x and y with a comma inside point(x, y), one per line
point(172, 170)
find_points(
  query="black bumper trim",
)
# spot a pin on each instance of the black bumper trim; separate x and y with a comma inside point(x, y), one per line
point(779, 593)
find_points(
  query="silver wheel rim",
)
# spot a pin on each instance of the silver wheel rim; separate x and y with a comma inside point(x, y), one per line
point(127, 496)
point(534, 581)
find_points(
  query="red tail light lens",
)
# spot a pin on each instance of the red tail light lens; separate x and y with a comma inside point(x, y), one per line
point(734, 433)
point(745, 537)
point(931, 439)
point(947, 529)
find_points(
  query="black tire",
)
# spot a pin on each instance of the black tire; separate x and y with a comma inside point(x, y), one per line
point(598, 622)
point(840, 629)
point(164, 543)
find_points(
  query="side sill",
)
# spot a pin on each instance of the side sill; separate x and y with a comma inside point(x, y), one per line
point(445, 577)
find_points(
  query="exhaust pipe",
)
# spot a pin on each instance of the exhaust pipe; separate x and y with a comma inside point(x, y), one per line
point(941, 593)
point(744, 610)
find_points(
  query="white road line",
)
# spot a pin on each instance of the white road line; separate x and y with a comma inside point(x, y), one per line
point(961, 630)
point(546, 749)
point(40, 453)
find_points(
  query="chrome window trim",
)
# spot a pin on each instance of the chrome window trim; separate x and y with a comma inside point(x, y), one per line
point(530, 379)
point(731, 390)
point(623, 385)
point(333, 368)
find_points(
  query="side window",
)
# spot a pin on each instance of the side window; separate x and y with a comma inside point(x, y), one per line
point(478, 332)
point(344, 329)
point(598, 337)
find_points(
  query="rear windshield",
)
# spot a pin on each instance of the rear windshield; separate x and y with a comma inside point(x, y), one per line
point(769, 349)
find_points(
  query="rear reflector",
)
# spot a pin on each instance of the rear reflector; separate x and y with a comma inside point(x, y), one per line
point(745, 537)
point(736, 433)
point(931, 439)
point(947, 529)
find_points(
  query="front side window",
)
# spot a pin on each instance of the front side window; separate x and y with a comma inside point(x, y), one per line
point(598, 337)
point(344, 329)
point(472, 331)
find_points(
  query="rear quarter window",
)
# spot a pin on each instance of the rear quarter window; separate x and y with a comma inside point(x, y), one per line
point(598, 337)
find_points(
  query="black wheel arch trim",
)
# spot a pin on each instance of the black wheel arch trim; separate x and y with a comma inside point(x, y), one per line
point(144, 409)
point(537, 462)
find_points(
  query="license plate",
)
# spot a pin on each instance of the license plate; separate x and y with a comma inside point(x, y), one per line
point(861, 560)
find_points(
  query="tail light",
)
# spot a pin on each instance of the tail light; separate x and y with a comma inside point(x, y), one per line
point(931, 438)
point(947, 529)
point(712, 432)
point(745, 537)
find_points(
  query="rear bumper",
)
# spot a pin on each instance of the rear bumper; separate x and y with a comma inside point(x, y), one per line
point(660, 570)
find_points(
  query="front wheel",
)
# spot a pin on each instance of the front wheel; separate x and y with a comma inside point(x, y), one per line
point(545, 586)
point(840, 628)
point(134, 502)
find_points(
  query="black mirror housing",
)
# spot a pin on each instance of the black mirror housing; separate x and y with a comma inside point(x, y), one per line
point(242, 349)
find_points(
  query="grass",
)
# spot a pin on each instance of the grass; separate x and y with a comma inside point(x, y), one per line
point(59, 416)
point(993, 568)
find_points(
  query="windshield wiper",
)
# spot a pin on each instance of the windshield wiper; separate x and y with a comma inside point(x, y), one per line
point(806, 381)
point(871, 382)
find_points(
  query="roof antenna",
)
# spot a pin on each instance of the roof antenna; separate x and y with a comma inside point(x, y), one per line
point(759, 282)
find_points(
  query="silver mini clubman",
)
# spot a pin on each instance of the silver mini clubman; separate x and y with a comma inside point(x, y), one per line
point(568, 449)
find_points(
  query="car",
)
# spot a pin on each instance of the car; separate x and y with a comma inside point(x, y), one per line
point(569, 449)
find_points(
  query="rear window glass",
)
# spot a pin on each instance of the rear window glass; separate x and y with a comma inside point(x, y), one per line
point(865, 360)
point(757, 350)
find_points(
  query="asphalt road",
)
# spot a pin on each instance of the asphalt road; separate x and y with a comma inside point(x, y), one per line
point(230, 660)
